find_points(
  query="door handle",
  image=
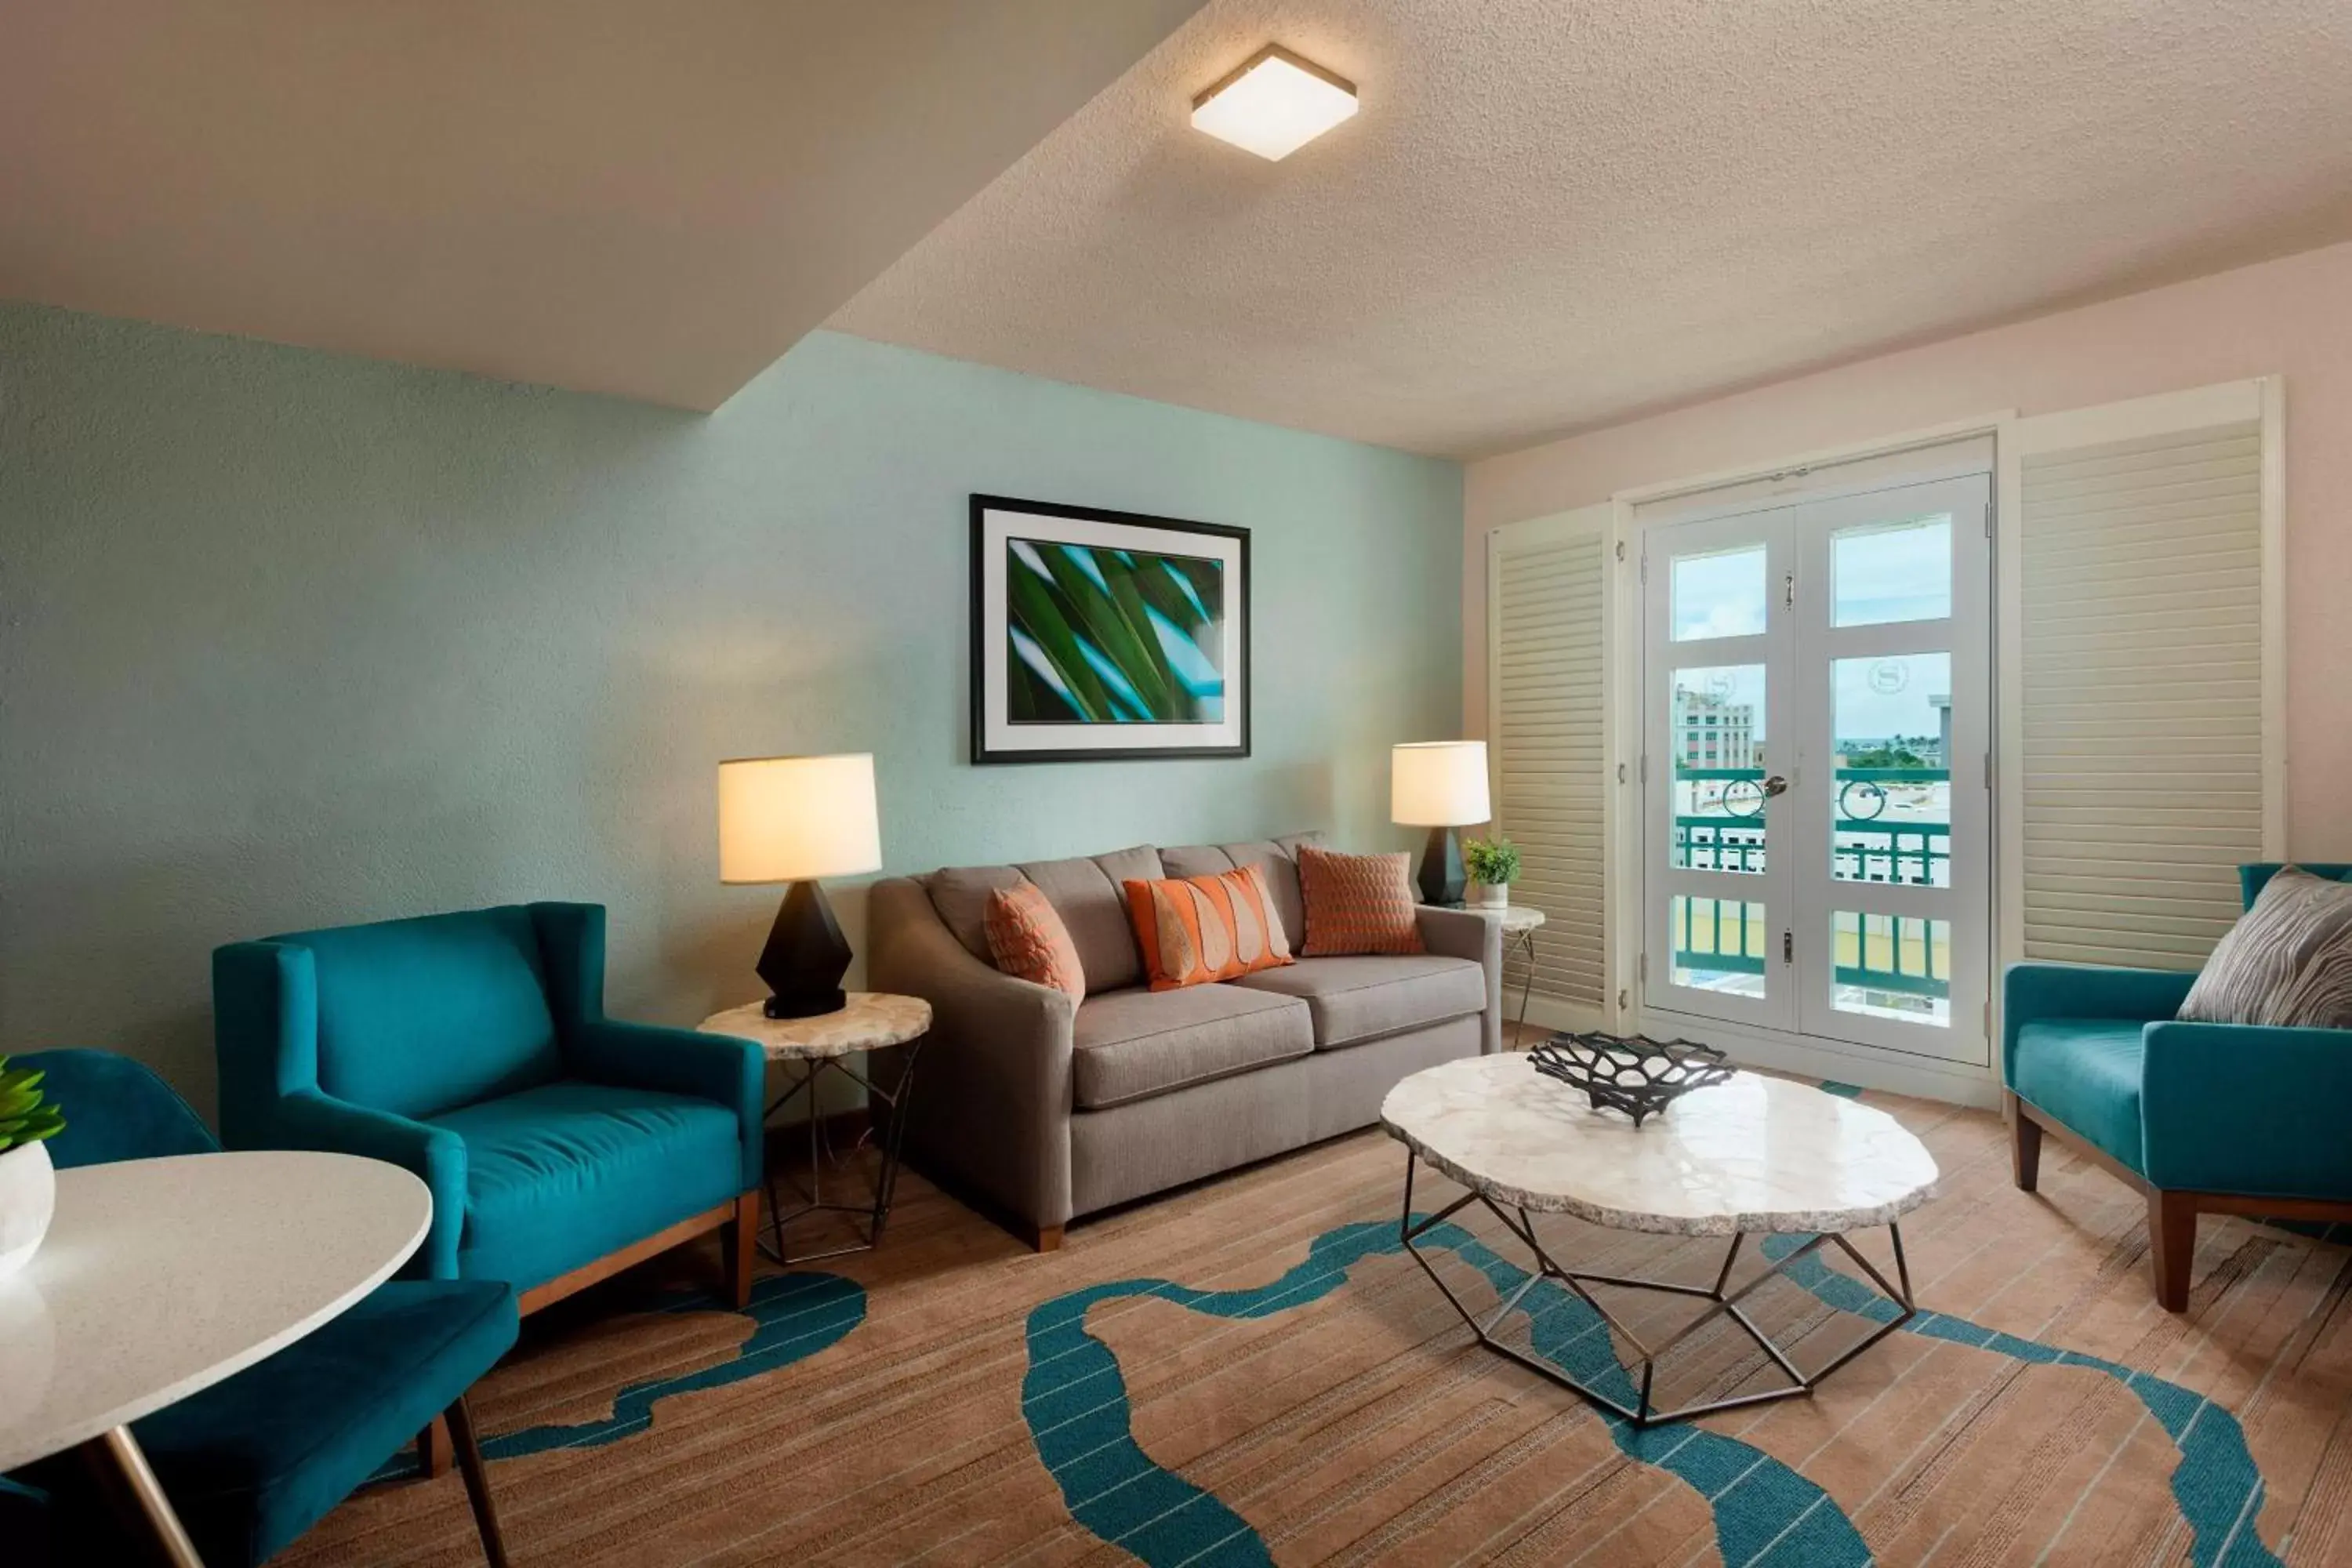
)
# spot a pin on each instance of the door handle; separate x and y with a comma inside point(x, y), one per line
point(1774, 785)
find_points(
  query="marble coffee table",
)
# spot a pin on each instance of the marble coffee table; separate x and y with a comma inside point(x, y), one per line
point(1753, 1156)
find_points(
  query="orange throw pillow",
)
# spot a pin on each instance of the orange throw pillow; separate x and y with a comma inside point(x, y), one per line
point(1358, 903)
point(1197, 929)
point(1029, 942)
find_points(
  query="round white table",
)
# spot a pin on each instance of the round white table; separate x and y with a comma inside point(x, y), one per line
point(871, 1021)
point(161, 1278)
point(1755, 1155)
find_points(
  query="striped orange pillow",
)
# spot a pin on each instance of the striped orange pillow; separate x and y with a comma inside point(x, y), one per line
point(1197, 929)
point(1358, 903)
point(1029, 942)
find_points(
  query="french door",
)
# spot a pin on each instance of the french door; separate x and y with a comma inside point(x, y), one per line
point(1817, 812)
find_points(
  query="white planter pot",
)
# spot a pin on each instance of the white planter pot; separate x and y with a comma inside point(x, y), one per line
point(1483, 897)
point(28, 1196)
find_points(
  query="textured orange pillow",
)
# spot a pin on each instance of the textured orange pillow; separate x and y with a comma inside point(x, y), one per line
point(1197, 929)
point(1358, 903)
point(1029, 942)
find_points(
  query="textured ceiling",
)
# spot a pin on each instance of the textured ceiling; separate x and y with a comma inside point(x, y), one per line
point(1551, 215)
point(654, 200)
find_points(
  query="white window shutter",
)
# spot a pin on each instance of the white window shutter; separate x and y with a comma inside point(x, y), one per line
point(2147, 714)
point(1547, 697)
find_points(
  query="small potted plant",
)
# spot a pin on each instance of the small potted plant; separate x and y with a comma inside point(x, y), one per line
point(28, 1187)
point(1494, 866)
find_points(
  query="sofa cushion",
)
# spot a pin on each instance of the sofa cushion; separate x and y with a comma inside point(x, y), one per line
point(1197, 930)
point(1027, 941)
point(1134, 1043)
point(562, 1174)
point(1085, 892)
point(1358, 903)
point(960, 896)
point(1351, 1000)
point(1278, 858)
point(2086, 1073)
point(418, 1015)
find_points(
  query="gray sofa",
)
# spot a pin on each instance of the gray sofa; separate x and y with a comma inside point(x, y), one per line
point(1043, 1112)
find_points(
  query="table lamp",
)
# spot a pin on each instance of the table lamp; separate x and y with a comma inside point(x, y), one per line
point(1440, 785)
point(795, 819)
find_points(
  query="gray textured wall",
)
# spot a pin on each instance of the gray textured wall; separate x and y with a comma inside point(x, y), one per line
point(289, 639)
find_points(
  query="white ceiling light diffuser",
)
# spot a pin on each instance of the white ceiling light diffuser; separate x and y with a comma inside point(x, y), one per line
point(1274, 103)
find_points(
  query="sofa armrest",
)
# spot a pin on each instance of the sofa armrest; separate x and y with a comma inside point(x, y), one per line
point(721, 1067)
point(992, 1105)
point(311, 1120)
point(2236, 1108)
point(2035, 992)
point(1465, 933)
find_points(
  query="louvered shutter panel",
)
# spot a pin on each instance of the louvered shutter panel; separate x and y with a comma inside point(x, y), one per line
point(2142, 703)
point(1547, 622)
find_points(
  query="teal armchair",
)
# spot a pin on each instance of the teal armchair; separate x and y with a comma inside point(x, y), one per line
point(2202, 1118)
point(472, 1049)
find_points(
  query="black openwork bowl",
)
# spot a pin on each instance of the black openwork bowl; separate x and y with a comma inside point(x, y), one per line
point(1633, 1074)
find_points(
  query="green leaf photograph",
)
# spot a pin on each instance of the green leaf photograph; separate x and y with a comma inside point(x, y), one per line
point(1101, 636)
point(1112, 636)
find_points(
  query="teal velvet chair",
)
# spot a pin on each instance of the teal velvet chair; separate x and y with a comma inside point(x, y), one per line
point(2202, 1118)
point(255, 1460)
point(559, 1145)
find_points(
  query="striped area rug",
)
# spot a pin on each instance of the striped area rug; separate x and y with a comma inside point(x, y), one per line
point(1250, 1371)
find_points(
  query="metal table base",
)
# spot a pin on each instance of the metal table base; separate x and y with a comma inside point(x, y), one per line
point(877, 1208)
point(1643, 1413)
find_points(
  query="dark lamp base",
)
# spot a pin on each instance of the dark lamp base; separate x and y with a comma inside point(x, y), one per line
point(810, 1006)
point(1443, 879)
point(805, 957)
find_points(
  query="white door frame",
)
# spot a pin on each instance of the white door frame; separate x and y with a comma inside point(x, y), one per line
point(1765, 1048)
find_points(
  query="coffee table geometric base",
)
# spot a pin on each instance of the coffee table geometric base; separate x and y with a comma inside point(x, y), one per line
point(1642, 1414)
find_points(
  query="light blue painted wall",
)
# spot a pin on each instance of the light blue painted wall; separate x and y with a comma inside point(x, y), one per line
point(289, 639)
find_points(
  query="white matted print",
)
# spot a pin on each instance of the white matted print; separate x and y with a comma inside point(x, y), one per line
point(1106, 634)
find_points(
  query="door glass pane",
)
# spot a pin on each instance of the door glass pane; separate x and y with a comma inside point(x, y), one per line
point(1891, 811)
point(1892, 967)
point(1720, 594)
point(1719, 944)
point(1892, 572)
point(1716, 742)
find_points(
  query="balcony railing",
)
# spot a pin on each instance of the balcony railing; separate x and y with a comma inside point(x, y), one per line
point(1900, 956)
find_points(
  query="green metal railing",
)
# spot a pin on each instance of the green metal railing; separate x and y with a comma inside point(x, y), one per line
point(1863, 849)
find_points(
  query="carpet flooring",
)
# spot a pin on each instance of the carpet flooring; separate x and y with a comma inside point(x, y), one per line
point(1251, 1371)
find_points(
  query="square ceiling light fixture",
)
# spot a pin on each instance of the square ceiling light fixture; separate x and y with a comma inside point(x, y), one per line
point(1274, 103)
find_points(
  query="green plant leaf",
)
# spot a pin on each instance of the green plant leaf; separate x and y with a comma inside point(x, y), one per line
point(1100, 615)
point(1033, 609)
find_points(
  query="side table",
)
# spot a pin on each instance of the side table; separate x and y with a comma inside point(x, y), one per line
point(871, 1021)
point(1519, 923)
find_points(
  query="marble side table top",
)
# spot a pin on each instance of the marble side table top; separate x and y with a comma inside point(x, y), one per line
point(873, 1019)
point(1753, 1154)
point(160, 1278)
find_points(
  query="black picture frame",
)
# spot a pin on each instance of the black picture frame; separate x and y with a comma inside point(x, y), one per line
point(1235, 546)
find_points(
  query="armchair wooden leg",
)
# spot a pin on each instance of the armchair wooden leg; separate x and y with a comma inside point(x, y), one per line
point(433, 1448)
point(739, 1240)
point(2171, 1246)
point(460, 1422)
point(2024, 1148)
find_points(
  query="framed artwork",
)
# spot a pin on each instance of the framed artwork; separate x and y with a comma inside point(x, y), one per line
point(1099, 635)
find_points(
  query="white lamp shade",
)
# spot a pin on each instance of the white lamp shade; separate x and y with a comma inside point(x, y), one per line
point(1438, 784)
point(791, 819)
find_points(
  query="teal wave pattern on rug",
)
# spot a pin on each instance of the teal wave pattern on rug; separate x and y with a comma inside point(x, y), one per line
point(1766, 1515)
point(794, 1316)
